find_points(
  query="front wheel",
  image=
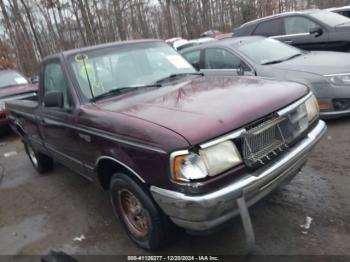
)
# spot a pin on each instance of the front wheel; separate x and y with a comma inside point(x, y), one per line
point(144, 223)
point(41, 162)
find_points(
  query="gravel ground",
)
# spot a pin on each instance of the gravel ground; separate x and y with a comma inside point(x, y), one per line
point(43, 213)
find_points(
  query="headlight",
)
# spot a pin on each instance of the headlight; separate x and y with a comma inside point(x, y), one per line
point(339, 80)
point(188, 167)
point(209, 161)
point(311, 107)
point(220, 157)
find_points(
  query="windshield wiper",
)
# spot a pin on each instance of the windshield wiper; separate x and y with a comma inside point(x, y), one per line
point(122, 90)
point(293, 56)
point(281, 60)
point(273, 62)
point(173, 76)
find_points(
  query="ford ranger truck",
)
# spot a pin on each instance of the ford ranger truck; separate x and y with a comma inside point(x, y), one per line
point(172, 146)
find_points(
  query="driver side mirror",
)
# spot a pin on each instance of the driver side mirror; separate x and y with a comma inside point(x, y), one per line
point(244, 70)
point(316, 31)
point(53, 99)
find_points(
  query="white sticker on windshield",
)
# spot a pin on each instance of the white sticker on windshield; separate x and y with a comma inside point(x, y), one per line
point(178, 61)
point(20, 80)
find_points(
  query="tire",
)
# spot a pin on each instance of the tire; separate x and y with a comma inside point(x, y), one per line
point(131, 202)
point(41, 162)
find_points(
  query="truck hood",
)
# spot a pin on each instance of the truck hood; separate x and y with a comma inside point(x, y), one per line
point(335, 63)
point(206, 107)
point(17, 90)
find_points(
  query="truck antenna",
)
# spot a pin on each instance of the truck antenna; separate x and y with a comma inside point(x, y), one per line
point(83, 57)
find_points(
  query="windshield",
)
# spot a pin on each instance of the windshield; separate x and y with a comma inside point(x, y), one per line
point(11, 78)
point(330, 18)
point(265, 51)
point(102, 70)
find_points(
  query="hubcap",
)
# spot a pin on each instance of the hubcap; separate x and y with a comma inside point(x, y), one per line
point(32, 156)
point(133, 213)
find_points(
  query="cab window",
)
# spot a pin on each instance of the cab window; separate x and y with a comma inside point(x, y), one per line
point(54, 80)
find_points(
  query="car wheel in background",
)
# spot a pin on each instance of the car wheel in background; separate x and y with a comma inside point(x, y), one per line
point(41, 162)
point(143, 221)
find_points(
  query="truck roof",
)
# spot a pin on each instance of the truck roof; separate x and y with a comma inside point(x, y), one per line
point(100, 46)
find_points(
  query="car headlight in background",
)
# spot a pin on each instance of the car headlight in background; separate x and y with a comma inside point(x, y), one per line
point(339, 79)
point(312, 108)
point(209, 161)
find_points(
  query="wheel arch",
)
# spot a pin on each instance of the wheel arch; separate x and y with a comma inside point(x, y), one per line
point(106, 166)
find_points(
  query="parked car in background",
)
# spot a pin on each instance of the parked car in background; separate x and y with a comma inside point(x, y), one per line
point(177, 44)
point(13, 86)
point(344, 10)
point(223, 36)
point(33, 79)
point(211, 33)
point(169, 144)
point(326, 73)
point(171, 41)
point(309, 30)
point(194, 42)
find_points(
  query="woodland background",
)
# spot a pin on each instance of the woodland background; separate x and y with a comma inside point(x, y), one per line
point(33, 29)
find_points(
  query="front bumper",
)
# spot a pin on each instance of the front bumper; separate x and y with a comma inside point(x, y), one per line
point(334, 114)
point(333, 111)
point(208, 211)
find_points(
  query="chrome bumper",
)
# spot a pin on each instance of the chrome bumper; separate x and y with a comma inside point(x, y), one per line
point(204, 212)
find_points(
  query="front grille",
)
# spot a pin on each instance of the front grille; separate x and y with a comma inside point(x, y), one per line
point(341, 104)
point(269, 138)
point(263, 142)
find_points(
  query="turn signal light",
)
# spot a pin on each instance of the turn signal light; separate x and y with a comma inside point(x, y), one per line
point(324, 106)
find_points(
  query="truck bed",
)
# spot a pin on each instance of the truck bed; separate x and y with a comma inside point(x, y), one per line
point(23, 120)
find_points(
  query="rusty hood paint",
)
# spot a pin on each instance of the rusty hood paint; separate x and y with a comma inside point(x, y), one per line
point(203, 108)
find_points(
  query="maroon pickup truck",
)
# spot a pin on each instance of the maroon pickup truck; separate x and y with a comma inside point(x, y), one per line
point(171, 145)
point(13, 86)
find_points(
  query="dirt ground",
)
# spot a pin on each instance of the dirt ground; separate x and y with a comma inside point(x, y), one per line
point(43, 213)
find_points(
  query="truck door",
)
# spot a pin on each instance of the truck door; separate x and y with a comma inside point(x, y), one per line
point(56, 122)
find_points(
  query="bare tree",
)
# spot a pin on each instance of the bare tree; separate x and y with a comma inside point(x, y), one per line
point(36, 28)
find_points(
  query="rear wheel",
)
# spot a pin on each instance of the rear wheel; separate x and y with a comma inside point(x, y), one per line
point(41, 162)
point(144, 223)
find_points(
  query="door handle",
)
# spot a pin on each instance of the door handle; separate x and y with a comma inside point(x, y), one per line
point(288, 42)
